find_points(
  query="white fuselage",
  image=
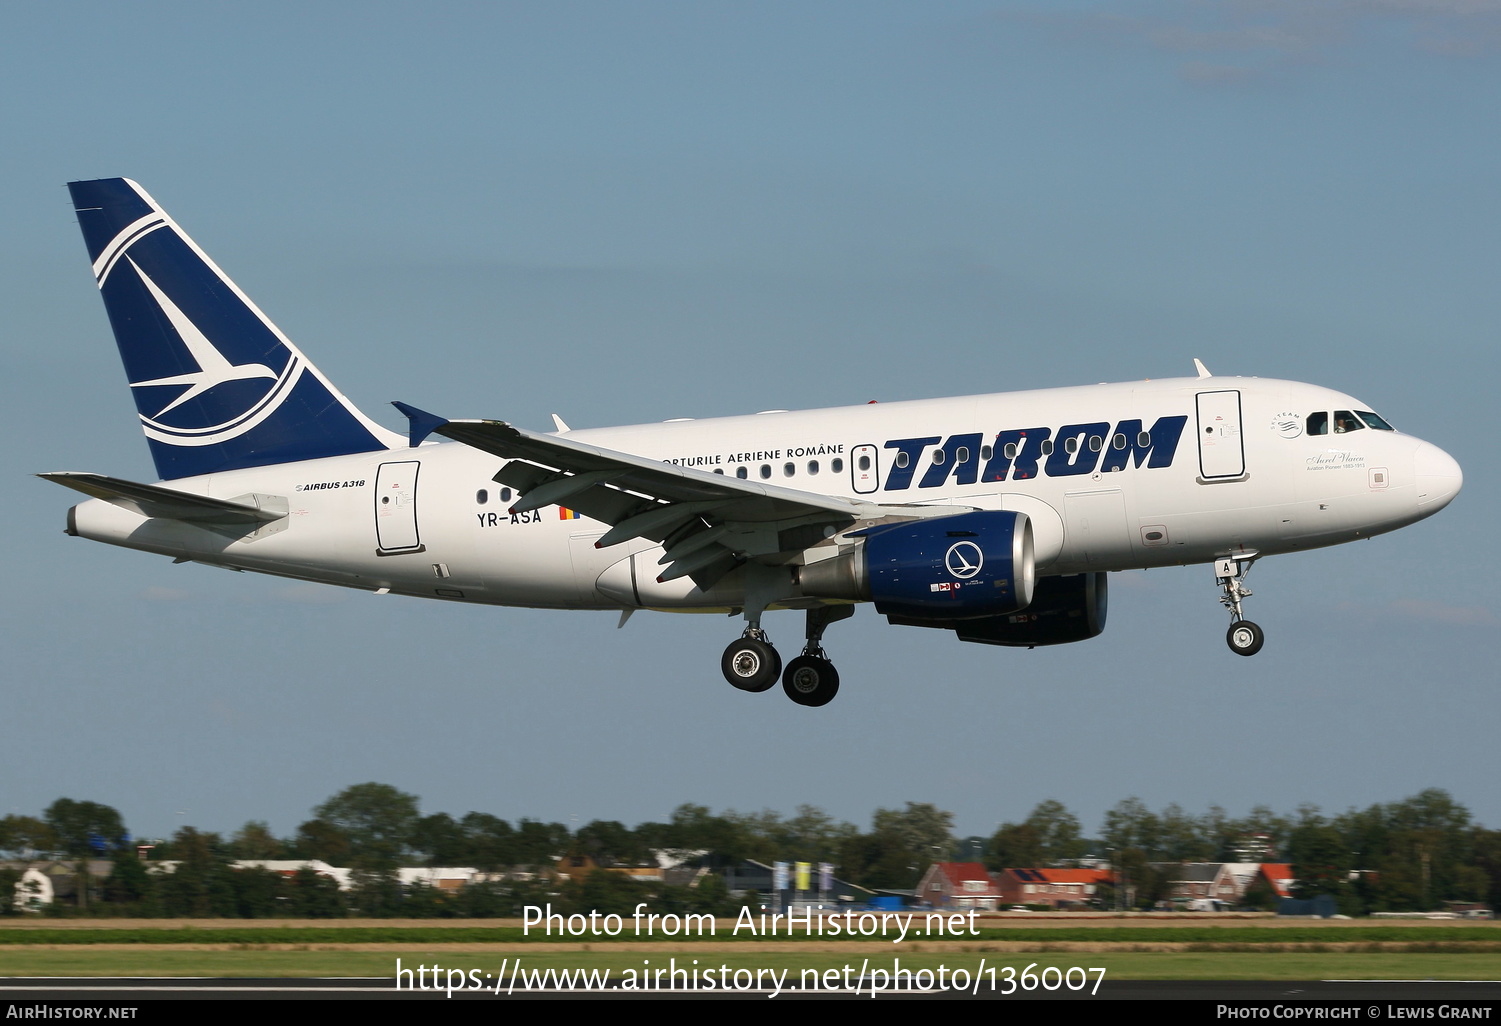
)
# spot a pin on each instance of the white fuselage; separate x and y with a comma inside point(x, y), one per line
point(1243, 474)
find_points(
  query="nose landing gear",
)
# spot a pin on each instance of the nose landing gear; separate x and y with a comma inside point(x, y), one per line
point(1244, 637)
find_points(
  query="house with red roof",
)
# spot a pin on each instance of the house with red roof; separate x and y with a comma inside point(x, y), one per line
point(1279, 876)
point(958, 885)
point(1060, 888)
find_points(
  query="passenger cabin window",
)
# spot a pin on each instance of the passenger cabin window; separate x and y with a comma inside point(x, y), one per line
point(812, 467)
point(985, 452)
point(1047, 447)
point(1345, 421)
point(482, 496)
point(505, 495)
point(1318, 423)
point(1119, 441)
point(788, 469)
point(1009, 451)
point(901, 459)
point(765, 471)
point(740, 472)
point(837, 465)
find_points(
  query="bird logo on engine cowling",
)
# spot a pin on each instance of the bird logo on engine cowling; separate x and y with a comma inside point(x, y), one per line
point(964, 559)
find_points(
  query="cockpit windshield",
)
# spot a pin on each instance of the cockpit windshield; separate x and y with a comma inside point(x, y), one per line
point(1344, 422)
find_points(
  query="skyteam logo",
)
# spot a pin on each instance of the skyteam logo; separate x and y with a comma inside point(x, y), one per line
point(211, 393)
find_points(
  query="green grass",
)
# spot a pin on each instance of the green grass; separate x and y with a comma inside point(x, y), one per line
point(250, 934)
point(1126, 965)
point(221, 948)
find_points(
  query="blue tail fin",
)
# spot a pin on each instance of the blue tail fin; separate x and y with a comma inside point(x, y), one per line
point(217, 385)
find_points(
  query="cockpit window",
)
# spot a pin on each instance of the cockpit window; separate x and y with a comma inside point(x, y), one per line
point(1318, 423)
point(1374, 421)
point(1345, 421)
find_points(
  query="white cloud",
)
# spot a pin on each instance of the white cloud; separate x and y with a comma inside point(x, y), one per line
point(1409, 610)
point(1466, 616)
point(1205, 73)
point(312, 594)
point(1255, 39)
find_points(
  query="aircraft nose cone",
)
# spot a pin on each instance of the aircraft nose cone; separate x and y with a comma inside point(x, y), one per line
point(1438, 475)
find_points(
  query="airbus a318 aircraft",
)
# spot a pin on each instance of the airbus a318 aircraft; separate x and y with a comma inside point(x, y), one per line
point(996, 517)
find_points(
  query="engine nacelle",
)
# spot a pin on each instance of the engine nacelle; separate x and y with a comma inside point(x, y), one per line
point(963, 567)
point(1063, 609)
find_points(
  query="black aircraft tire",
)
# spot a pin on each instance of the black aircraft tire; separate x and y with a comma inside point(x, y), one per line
point(751, 665)
point(1245, 638)
point(811, 681)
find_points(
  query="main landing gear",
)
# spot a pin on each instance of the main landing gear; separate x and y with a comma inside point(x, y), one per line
point(750, 663)
point(1244, 637)
point(810, 679)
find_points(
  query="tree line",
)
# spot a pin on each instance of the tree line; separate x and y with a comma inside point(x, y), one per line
point(1414, 854)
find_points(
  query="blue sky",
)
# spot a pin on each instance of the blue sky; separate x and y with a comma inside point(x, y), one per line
point(629, 212)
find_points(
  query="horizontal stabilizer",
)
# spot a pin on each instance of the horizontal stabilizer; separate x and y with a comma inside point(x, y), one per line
point(169, 504)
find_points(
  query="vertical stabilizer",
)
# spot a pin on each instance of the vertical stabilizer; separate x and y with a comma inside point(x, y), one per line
point(217, 385)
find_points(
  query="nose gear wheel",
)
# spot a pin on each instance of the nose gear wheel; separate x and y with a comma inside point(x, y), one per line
point(1245, 638)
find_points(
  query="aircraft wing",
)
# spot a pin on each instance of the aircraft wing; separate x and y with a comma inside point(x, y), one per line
point(708, 523)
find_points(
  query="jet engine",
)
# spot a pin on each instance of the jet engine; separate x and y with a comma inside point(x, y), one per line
point(962, 567)
point(1063, 609)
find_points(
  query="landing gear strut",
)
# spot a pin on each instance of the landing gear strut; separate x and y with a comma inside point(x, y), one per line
point(1244, 637)
point(811, 679)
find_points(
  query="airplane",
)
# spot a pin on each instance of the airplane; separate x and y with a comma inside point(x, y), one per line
point(996, 517)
